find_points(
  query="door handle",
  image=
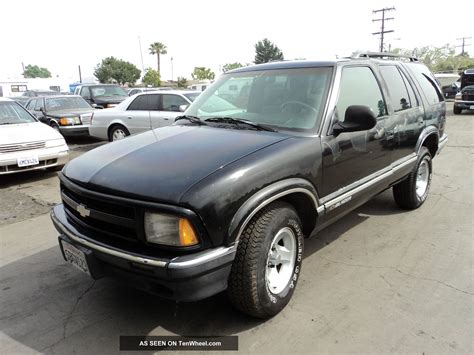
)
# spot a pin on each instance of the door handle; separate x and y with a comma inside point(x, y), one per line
point(129, 117)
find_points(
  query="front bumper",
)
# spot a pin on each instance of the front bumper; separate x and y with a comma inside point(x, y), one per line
point(78, 130)
point(465, 105)
point(48, 158)
point(184, 278)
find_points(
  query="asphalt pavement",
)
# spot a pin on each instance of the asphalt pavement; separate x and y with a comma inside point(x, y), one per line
point(381, 280)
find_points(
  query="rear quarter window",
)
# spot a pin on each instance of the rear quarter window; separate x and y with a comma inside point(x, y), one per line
point(427, 82)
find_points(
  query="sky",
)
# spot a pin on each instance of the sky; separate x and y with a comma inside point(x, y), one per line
point(60, 35)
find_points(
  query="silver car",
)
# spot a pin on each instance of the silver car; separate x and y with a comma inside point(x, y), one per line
point(140, 113)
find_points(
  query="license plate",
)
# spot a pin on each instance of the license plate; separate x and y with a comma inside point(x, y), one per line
point(75, 257)
point(27, 161)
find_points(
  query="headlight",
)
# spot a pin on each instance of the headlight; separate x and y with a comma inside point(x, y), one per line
point(69, 121)
point(458, 96)
point(169, 230)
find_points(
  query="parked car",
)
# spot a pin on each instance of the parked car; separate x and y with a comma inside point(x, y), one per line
point(224, 198)
point(464, 100)
point(68, 114)
point(23, 99)
point(449, 83)
point(25, 143)
point(140, 113)
point(133, 91)
point(101, 95)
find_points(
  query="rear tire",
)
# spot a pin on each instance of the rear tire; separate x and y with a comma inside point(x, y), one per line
point(268, 260)
point(118, 132)
point(457, 110)
point(412, 192)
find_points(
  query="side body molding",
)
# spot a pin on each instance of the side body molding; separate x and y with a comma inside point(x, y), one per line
point(267, 195)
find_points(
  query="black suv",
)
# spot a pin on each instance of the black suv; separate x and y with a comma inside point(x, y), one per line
point(101, 95)
point(224, 198)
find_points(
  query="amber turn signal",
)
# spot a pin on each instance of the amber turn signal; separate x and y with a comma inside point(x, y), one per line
point(187, 237)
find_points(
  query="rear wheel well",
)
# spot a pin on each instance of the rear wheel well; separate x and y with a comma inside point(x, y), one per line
point(305, 209)
point(111, 128)
point(431, 142)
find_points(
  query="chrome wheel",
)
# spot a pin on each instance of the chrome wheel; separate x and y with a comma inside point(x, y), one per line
point(281, 260)
point(422, 178)
point(118, 134)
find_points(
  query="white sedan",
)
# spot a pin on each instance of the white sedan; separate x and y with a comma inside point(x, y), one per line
point(140, 113)
point(26, 144)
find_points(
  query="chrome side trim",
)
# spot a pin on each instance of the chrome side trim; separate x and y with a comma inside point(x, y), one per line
point(206, 256)
point(358, 186)
point(270, 200)
point(137, 259)
point(442, 143)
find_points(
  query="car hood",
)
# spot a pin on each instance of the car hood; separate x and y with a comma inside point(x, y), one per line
point(161, 165)
point(70, 112)
point(27, 132)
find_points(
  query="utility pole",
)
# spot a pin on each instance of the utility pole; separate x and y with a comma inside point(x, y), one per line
point(80, 75)
point(464, 44)
point(141, 54)
point(383, 19)
point(171, 68)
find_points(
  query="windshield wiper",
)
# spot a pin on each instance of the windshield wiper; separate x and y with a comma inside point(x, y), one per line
point(192, 119)
point(239, 121)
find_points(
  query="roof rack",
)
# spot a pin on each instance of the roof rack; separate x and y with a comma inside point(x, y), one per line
point(386, 55)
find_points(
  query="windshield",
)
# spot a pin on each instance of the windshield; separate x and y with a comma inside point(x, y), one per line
point(285, 99)
point(98, 91)
point(66, 103)
point(12, 113)
point(192, 96)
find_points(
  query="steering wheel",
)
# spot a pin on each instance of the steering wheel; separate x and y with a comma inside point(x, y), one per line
point(283, 105)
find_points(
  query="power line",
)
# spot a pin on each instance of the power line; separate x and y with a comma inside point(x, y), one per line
point(383, 19)
point(464, 44)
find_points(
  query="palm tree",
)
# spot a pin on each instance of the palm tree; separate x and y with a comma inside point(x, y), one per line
point(157, 48)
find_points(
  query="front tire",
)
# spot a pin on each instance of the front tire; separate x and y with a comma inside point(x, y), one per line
point(457, 110)
point(268, 261)
point(412, 192)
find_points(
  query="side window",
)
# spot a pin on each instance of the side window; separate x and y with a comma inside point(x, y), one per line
point(359, 87)
point(411, 93)
point(144, 103)
point(39, 104)
point(85, 92)
point(172, 102)
point(428, 83)
point(31, 105)
point(397, 88)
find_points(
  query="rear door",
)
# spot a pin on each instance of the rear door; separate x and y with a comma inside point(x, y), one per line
point(406, 110)
point(169, 110)
point(137, 116)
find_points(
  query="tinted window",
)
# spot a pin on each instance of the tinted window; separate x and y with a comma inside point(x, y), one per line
point(428, 83)
point(359, 87)
point(172, 102)
point(85, 92)
point(39, 104)
point(144, 103)
point(98, 91)
point(397, 87)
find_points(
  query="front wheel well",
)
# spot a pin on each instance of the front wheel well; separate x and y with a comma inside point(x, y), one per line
point(305, 209)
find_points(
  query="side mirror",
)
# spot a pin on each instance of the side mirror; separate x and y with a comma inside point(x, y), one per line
point(183, 108)
point(357, 118)
point(94, 105)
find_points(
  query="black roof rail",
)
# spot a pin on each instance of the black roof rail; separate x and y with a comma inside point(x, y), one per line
point(386, 55)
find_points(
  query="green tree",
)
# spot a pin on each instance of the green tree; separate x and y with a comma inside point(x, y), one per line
point(266, 51)
point(182, 82)
point(113, 69)
point(152, 77)
point(202, 73)
point(230, 66)
point(34, 71)
point(158, 48)
point(439, 59)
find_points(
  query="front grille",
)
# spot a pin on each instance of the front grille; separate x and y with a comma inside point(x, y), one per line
point(100, 218)
point(469, 96)
point(17, 147)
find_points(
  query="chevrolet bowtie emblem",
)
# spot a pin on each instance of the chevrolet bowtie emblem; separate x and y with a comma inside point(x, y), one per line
point(83, 210)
